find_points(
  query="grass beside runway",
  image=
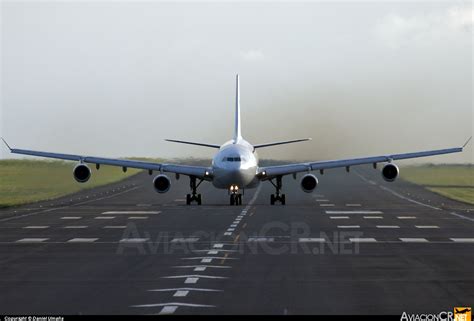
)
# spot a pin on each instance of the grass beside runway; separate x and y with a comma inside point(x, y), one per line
point(453, 181)
point(26, 181)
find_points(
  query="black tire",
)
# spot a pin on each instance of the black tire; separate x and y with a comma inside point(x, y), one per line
point(199, 199)
point(283, 200)
point(272, 199)
point(232, 199)
point(188, 199)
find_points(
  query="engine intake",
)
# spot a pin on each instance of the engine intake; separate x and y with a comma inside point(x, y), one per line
point(81, 173)
point(390, 172)
point(308, 183)
point(161, 183)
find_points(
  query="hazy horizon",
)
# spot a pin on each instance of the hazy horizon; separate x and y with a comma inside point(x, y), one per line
point(115, 79)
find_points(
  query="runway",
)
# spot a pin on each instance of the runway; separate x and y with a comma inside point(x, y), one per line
point(357, 245)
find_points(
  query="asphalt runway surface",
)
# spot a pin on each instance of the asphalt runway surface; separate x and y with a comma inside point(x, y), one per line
point(357, 245)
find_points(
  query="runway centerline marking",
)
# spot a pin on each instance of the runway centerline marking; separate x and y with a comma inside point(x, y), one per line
point(71, 217)
point(104, 217)
point(75, 226)
point(338, 217)
point(406, 217)
point(353, 212)
point(181, 293)
point(348, 226)
point(388, 226)
point(373, 217)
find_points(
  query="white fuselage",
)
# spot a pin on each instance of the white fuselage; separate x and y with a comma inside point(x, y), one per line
point(235, 164)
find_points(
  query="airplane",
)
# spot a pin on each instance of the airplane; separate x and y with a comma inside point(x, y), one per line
point(235, 166)
point(463, 311)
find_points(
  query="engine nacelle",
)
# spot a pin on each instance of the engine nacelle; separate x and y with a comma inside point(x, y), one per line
point(390, 172)
point(161, 183)
point(308, 183)
point(81, 173)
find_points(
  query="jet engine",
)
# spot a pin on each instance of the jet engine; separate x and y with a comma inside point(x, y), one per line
point(390, 172)
point(81, 173)
point(161, 183)
point(309, 183)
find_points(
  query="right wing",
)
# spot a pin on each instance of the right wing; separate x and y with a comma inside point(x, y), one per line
point(196, 171)
point(280, 170)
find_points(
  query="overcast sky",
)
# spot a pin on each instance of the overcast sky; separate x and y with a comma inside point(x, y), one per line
point(115, 78)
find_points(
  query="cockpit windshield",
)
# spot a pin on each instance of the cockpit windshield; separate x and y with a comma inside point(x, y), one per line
point(232, 159)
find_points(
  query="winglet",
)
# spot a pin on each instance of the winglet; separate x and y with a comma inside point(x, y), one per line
point(467, 142)
point(6, 143)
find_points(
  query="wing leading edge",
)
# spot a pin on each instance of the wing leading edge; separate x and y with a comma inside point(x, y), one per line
point(197, 171)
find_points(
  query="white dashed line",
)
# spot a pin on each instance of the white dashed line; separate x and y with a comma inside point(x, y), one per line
point(373, 217)
point(138, 217)
point(181, 293)
point(463, 240)
point(426, 226)
point(218, 245)
point(227, 233)
point(131, 212)
point(31, 240)
point(326, 205)
point(413, 239)
point(185, 240)
point(36, 227)
point(82, 240)
point(362, 240)
point(133, 240)
point(71, 217)
point(338, 217)
point(388, 226)
point(168, 309)
point(261, 239)
point(191, 280)
point(311, 240)
point(104, 217)
point(115, 226)
point(406, 217)
point(75, 226)
point(348, 226)
point(354, 212)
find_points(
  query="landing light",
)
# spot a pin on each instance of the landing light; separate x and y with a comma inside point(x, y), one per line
point(206, 173)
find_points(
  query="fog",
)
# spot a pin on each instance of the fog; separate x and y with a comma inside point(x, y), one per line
point(114, 79)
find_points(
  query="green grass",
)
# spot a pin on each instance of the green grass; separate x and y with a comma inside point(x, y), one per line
point(453, 181)
point(26, 181)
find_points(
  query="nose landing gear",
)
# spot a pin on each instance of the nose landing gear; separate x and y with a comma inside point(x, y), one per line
point(235, 196)
point(194, 196)
point(277, 197)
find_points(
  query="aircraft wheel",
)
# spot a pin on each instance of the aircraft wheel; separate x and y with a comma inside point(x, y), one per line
point(272, 199)
point(232, 199)
point(199, 199)
point(188, 199)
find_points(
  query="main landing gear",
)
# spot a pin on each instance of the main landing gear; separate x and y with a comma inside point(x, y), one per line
point(194, 196)
point(235, 196)
point(277, 197)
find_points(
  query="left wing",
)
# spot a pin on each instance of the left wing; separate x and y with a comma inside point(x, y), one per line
point(197, 171)
point(280, 170)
